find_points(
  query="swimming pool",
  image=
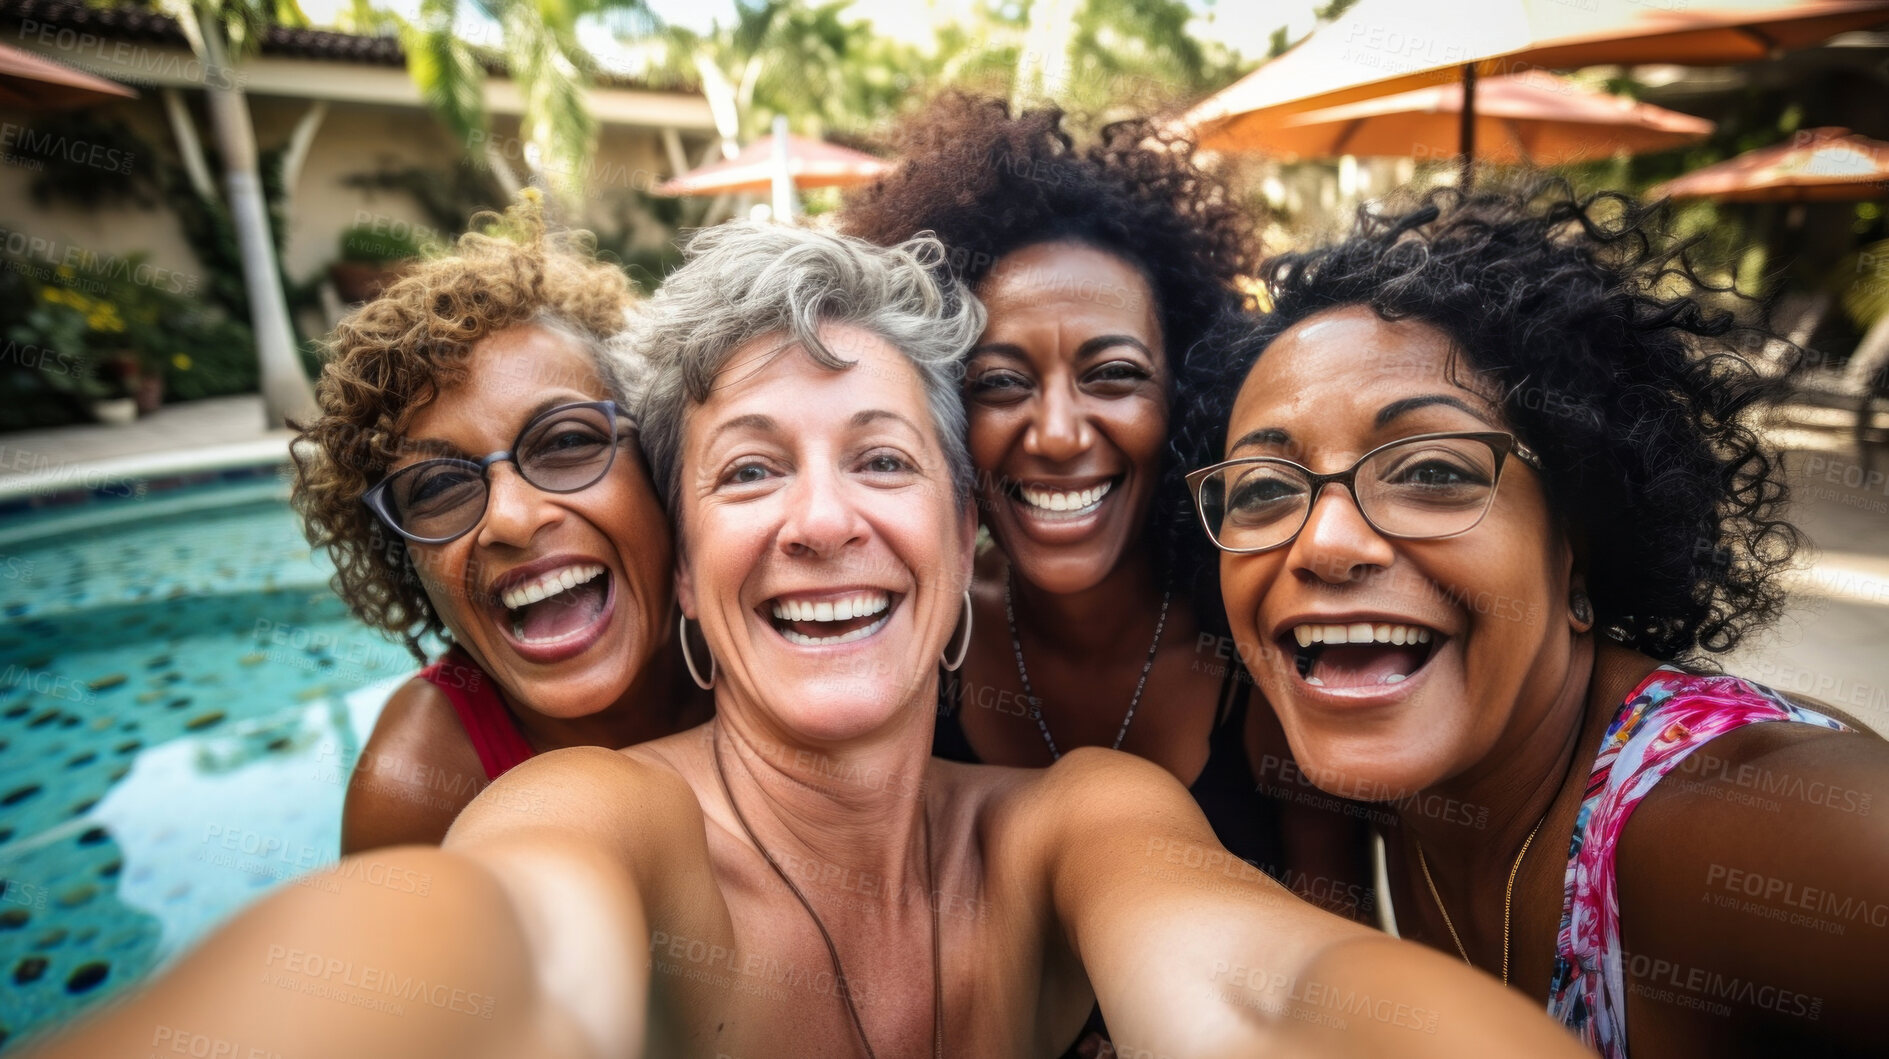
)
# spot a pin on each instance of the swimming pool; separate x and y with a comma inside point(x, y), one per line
point(181, 698)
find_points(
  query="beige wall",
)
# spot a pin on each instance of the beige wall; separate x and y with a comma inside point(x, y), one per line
point(112, 231)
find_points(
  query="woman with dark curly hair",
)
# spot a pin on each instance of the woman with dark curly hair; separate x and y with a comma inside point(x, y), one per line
point(475, 474)
point(1468, 439)
point(1100, 267)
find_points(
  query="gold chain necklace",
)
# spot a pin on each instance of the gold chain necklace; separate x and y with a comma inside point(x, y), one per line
point(844, 984)
point(1508, 898)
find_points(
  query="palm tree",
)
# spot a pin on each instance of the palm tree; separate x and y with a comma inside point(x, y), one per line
point(537, 44)
point(821, 69)
point(218, 31)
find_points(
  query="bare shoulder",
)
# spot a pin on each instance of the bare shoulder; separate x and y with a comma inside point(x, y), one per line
point(586, 789)
point(1093, 792)
point(417, 771)
point(1764, 857)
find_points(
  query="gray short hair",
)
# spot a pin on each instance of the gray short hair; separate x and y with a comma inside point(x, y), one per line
point(625, 373)
point(745, 280)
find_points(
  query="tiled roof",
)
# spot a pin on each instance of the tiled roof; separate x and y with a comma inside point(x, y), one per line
point(143, 24)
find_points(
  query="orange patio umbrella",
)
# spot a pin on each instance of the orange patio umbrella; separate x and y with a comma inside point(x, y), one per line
point(810, 164)
point(1534, 118)
point(1815, 165)
point(33, 82)
point(1381, 47)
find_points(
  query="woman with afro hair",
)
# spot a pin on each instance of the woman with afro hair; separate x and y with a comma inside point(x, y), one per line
point(1489, 499)
point(1101, 267)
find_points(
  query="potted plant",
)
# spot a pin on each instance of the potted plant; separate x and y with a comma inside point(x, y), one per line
point(372, 256)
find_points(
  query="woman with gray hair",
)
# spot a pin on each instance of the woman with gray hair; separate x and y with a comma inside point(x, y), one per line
point(799, 876)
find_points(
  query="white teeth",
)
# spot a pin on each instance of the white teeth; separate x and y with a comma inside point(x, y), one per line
point(847, 637)
point(1360, 632)
point(1079, 500)
point(1393, 678)
point(857, 605)
point(1315, 682)
point(549, 584)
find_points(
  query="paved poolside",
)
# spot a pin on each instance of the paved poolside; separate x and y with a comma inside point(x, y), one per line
point(198, 435)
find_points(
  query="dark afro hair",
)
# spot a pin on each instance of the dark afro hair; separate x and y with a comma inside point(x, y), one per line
point(989, 183)
point(1593, 331)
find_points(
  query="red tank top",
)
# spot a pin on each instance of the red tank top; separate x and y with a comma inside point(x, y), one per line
point(491, 727)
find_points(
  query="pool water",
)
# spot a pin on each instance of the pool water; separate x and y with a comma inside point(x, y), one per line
point(181, 698)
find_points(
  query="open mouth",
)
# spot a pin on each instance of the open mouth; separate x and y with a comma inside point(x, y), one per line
point(557, 604)
point(1057, 505)
point(809, 620)
point(1360, 654)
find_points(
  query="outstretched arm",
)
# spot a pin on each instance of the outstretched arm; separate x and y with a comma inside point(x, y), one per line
point(523, 936)
point(1191, 951)
point(401, 952)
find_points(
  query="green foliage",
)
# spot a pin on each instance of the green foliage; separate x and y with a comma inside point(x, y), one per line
point(376, 244)
point(537, 46)
point(86, 161)
point(1862, 280)
point(1134, 58)
point(47, 375)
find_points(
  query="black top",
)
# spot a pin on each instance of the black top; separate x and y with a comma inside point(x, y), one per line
point(1245, 821)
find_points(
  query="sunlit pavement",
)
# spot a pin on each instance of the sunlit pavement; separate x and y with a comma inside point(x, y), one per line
point(210, 434)
point(1833, 642)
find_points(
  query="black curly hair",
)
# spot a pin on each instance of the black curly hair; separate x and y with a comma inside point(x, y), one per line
point(989, 183)
point(1608, 357)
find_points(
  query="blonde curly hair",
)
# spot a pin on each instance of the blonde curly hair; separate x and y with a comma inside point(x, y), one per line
point(395, 353)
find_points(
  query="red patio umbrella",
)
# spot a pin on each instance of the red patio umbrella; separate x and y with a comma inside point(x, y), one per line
point(33, 82)
point(1534, 117)
point(810, 164)
point(1815, 165)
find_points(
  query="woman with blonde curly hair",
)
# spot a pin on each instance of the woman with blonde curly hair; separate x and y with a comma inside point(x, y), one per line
point(476, 474)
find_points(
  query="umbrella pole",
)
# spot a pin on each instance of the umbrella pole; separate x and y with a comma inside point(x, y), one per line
point(1467, 129)
point(783, 181)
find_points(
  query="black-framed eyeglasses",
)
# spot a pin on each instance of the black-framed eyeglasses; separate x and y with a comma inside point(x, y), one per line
point(561, 450)
point(1416, 488)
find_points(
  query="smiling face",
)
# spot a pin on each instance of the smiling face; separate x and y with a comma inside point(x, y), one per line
point(822, 547)
point(1464, 639)
point(1067, 398)
point(561, 597)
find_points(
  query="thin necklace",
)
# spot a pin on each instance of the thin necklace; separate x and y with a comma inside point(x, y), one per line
point(1508, 897)
point(832, 951)
point(1508, 894)
point(1036, 707)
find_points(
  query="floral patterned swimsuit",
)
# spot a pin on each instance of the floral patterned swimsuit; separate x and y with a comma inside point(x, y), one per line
point(1671, 714)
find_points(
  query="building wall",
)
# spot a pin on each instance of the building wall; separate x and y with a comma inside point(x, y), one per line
point(354, 138)
point(64, 233)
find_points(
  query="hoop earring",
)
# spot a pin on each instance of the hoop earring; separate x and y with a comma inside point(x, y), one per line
point(682, 634)
point(964, 647)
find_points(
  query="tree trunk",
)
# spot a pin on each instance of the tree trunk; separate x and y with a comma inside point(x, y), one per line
point(286, 393)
